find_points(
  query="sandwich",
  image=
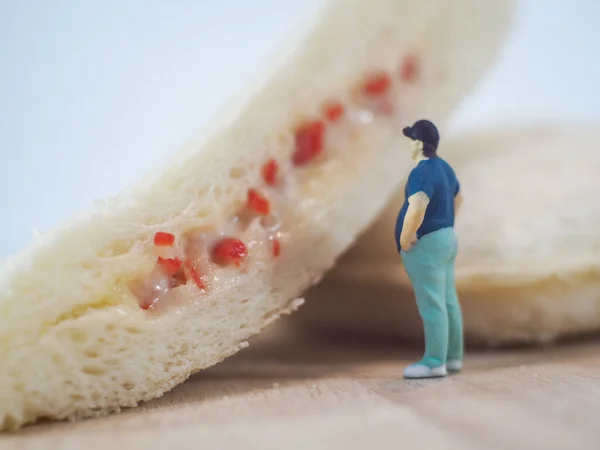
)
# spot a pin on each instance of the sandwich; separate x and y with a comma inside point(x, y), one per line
point(173, 275)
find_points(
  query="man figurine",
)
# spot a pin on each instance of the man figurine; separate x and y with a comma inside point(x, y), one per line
point(428, 245)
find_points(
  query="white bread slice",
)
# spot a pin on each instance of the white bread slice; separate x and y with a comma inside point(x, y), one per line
point(74, 341)
point(528, 269)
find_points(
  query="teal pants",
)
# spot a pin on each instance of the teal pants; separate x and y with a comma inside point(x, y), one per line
point(430, 267)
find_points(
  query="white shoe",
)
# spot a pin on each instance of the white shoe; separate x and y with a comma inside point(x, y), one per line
point(422, 371)
point(454, 365)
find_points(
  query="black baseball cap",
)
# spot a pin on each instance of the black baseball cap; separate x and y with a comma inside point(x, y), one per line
point(424, 131)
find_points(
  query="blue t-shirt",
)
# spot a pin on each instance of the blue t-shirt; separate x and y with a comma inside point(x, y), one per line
point(438, 181)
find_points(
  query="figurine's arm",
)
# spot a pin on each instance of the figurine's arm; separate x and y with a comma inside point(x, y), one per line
point(458, 199)
point(417, 205)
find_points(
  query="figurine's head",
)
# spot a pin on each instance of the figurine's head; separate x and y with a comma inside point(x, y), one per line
point(424, 138)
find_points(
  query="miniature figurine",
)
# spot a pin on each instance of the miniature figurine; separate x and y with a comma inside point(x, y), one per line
point(428, 246)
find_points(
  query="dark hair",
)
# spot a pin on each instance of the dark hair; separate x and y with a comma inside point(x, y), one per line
point(426, 132)
point(429, 150)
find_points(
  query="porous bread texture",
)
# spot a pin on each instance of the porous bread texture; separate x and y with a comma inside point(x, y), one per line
point(73, 341)
point(528, 268)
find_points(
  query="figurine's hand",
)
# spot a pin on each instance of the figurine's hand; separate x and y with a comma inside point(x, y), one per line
point(406, 242)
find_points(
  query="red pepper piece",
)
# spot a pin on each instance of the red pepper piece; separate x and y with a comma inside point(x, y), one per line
point(170, 265)
point(270, 171)
point(276, 247)
point(163, 239)
point(192, 273)
point(309, 142)
point(409, 70)
point(333, 111)
point(229, 251)
point(258, 203)
point(377, 84)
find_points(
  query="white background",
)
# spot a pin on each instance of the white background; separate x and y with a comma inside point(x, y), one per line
point(93, 93)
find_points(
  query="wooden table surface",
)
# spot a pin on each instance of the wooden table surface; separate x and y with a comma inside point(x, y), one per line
point(289, 391)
